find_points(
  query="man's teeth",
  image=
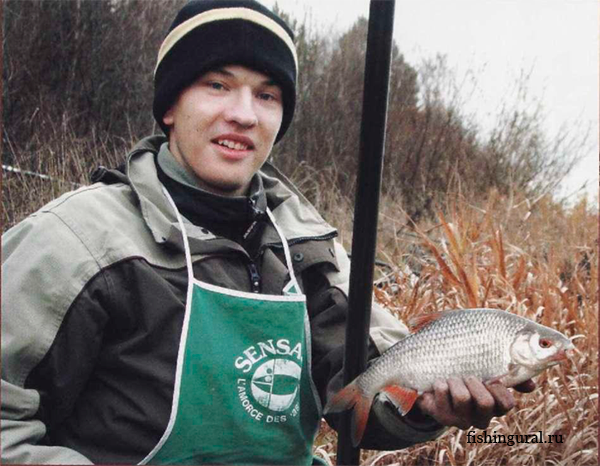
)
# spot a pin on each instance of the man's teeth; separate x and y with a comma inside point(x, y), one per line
point(233, 145)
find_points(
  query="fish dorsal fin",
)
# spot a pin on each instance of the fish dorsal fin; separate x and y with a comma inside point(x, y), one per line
point(417, 323)
point(402, 398)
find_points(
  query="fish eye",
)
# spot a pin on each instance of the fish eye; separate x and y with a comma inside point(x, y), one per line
point(545, 343)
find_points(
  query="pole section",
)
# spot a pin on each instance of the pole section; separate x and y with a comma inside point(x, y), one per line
point(366, 206)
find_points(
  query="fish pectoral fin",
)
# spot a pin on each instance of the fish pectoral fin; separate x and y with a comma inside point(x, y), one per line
point(402, 398)
point(516, 374)
point(498, 379)
point(417, 323)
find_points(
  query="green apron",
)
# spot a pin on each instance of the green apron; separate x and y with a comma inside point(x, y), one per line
point(243, 389)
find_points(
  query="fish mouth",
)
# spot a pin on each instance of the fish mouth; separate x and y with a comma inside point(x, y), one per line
point(559, 357)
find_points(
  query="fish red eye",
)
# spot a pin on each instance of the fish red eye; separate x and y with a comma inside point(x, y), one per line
point(545, 343)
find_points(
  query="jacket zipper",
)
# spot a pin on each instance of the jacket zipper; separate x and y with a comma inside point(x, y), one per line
point(254, 277)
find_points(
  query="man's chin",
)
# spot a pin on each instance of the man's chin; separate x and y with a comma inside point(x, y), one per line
point(226, 188)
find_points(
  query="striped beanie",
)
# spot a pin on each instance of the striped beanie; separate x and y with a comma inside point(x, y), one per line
point(207, 34)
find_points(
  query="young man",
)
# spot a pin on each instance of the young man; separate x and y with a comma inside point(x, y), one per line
point(190, 308)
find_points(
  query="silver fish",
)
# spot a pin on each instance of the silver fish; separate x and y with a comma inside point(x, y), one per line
point(492, 345)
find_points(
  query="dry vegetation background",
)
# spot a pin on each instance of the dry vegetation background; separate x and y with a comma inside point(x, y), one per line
point(467, 219)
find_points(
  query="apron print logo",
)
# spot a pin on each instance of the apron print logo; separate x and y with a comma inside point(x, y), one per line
point(270, 394)
point(275, 384)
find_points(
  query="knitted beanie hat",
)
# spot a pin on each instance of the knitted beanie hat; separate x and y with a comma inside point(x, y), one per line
point(207, 34)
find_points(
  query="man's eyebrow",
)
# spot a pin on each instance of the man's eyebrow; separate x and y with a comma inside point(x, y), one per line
point(220, 71)
point(223, 71)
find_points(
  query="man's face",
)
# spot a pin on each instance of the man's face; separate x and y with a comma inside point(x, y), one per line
point(223, 127)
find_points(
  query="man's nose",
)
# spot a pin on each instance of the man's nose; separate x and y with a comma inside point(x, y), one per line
point(241, 109)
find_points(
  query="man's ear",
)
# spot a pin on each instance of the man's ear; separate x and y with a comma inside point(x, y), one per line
point(168, 117)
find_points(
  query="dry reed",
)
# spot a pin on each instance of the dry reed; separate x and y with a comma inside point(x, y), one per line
point(534, 258)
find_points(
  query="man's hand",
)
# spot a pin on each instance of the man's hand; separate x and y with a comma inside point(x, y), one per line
point(468, 403)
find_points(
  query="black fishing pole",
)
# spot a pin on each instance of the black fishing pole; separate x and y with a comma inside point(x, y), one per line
point(366, 206)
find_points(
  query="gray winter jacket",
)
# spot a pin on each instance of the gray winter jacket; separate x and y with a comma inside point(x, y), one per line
point(93, 294)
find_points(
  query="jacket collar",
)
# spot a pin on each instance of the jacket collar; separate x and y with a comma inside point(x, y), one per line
point(296, 217)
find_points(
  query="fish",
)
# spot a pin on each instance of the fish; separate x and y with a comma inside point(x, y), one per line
point(490, 344)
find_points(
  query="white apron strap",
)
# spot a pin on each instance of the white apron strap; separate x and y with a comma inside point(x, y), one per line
point(292, 287)
point(186, 243)
point(184, 336)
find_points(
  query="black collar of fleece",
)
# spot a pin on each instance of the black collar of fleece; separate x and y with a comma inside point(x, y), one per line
point(241, 219)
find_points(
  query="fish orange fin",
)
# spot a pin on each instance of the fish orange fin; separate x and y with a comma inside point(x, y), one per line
point(348, 397)
point(417, 323)
point(345, 399)
point(403, 398)
point(360, 416)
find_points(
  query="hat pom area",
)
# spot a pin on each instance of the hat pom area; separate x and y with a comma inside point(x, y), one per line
point(207, 34)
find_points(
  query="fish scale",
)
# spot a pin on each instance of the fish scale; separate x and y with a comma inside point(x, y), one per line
point(490, 344)
point(476, 345)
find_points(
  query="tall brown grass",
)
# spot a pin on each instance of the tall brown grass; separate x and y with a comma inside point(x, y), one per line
point(64, 159)
point(535, 258)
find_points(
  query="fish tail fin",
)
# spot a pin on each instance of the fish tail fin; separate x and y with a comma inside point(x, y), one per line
point(352, 396)
point(345, 399)
point(360, 416)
